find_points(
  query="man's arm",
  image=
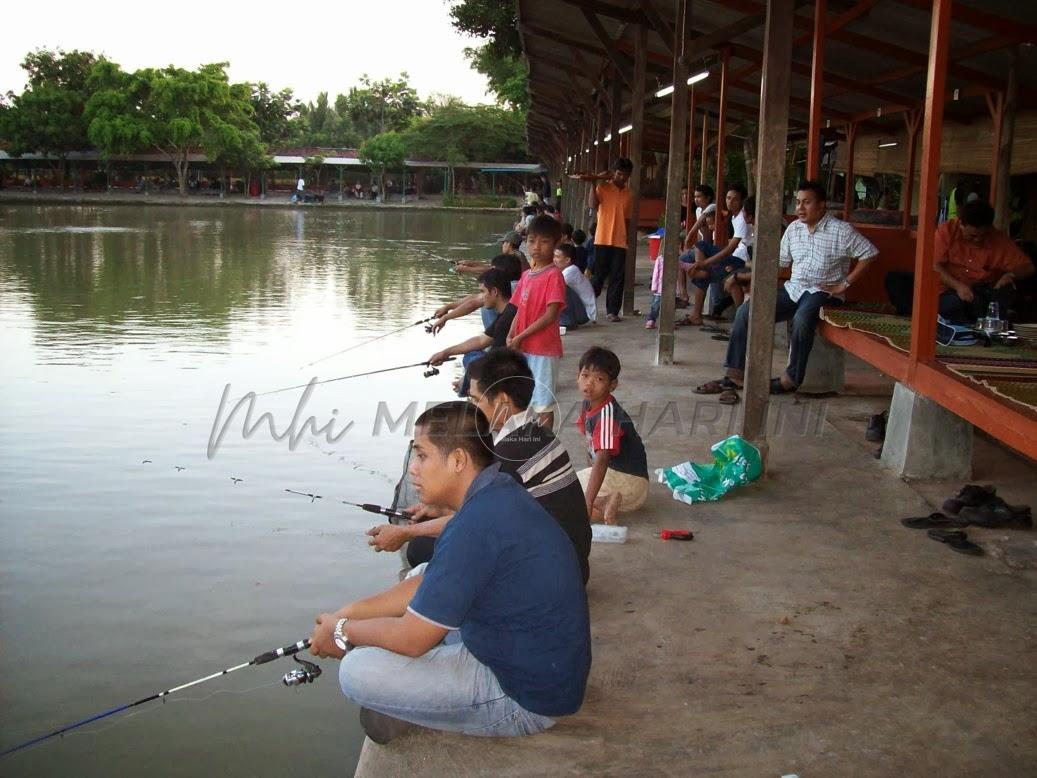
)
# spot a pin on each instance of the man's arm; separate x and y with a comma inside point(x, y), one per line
point(389, 537)
point(1017, 274)
point(592, 198)
point(474, 343)
point(723, 254)
point(472, 266)
point(541, 322)
point(462, 307)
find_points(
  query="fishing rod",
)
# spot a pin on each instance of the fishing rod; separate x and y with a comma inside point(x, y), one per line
point(420, 250)
point(432, 371)
point(367, 342)
point(370, 508)
point(307, 673)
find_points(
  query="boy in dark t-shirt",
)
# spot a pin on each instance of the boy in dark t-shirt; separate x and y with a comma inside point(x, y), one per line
point(617, 479)
point(495, 288)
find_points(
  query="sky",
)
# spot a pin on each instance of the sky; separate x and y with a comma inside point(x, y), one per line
point(312, 46)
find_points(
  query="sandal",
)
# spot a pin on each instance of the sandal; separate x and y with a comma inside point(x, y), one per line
point(721, 336)
point(716, 387)
point(728, 397)
point(957, 540)
point(933, 520)
point(613, 317)
point(777, 387)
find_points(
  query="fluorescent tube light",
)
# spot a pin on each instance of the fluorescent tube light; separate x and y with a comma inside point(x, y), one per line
point(628, 128)
point(664, 91)
point(887, 144)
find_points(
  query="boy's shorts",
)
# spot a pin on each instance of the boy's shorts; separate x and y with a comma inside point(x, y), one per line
point(545, 382)
point(632, 488)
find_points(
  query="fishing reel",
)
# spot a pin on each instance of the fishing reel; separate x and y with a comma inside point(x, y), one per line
point(307, 673)
point(429, 328)
point(431, 372)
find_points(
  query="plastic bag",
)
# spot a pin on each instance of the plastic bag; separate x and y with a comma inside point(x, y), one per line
point(735, 462)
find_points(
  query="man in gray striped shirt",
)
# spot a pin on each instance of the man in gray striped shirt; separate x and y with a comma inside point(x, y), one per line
point(820, 249)
point(502, 387)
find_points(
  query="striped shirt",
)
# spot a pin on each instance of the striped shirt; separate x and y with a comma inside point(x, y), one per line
point(822, 257)
point(609, 428)
point(532, 455)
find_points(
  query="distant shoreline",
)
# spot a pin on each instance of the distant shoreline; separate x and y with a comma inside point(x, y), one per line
point(279, 200)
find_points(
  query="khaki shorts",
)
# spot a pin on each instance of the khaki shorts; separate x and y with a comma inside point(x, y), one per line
point(632, 489)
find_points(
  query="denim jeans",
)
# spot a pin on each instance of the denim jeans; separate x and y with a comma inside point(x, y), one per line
point(957, 311)
point(657, 304)
point(805, 315)
point(466, 360)
point(574, 313)
point(446, 688)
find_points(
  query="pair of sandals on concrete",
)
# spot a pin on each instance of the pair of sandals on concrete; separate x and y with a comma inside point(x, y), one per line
point(727, 391)
point(973, 505)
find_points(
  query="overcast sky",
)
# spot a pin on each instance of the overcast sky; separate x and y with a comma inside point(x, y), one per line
point(312, 46)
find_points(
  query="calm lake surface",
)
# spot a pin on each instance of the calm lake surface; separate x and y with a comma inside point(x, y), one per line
point(130, 560)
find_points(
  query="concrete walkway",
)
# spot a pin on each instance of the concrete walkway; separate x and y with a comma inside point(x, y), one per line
point(804, 630)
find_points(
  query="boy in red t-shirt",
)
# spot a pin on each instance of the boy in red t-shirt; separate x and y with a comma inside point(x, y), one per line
point(540, 298)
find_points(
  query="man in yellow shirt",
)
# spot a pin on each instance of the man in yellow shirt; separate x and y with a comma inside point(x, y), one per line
point(612, 201)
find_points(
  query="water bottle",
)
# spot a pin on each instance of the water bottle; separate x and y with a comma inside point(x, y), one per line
point(994, 311)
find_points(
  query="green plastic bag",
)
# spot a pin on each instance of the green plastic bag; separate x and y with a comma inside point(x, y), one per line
point(735, 462)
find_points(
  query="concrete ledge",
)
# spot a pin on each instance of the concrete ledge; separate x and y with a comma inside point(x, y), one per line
point(924, 440)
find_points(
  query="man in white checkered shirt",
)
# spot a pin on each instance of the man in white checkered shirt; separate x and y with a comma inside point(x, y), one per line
point(820, 248)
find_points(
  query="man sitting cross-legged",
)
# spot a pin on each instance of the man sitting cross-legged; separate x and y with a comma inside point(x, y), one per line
point(502, 387)
point(493, 638)
point(820, 248)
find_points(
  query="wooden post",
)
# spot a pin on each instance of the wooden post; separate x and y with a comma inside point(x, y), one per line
point(996, 104)
point(601, 152)
point(691, 152)
point(637, 120)
point(705, 147)
point(617, 96)
point(851, 192)
point(926, 296)
point(1003, 165)
point(720, 230)
point(674, 174)
point(775, 81)
point(817, 86)
point(907, 192)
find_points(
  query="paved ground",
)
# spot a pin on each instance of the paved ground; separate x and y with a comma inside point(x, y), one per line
point(803, 631)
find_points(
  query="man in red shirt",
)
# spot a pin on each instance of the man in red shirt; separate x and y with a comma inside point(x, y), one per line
point(977, 263)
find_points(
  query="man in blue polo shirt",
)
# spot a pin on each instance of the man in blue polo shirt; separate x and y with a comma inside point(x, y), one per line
point(494, 637)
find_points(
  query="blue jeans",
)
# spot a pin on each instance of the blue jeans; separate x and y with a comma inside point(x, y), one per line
point(466, 360)
point(657, 304)
point(446, 688)
point(574, 313)
point(805, 315)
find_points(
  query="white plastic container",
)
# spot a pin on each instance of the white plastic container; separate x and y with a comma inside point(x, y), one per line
point(607, 533)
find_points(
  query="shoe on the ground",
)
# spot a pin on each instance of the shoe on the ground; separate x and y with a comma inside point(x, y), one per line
point(971, 496)
point(934, 520)
point(381, 728)
point(997, 514)
point(876, 428)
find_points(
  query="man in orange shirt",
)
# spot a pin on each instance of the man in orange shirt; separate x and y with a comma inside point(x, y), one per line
point(977, 264)
point(613, 203)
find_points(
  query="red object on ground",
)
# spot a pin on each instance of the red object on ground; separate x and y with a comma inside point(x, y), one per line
point(676, 534)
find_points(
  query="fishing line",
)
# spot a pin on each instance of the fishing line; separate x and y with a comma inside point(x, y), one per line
point(428, 374)
point(367, 342)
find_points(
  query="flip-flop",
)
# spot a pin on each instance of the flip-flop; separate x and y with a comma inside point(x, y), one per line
point(970, 496)
point(721, 336)
point(715, 387)
point(957, 540)
point(728, 397)
point(933, 520)
point(777, 387)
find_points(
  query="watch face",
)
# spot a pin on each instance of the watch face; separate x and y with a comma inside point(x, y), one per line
point(340, 642)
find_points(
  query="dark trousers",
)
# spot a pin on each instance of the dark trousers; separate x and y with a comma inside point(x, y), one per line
point(610, 263)
point(805, 314)
point(574, 313)
point(958, 311)
point(420, 550)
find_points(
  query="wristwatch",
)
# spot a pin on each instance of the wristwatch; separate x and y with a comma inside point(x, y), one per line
point(846, 283)
point(340, 636)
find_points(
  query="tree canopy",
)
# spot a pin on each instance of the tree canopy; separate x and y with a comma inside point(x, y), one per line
point(500, 57)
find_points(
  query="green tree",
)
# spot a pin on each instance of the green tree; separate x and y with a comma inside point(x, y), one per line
point(380, 106)
point(500, 58)
point(47, 117)
point(273, 113)
point(382, 152)
point(173, 111)
point(480, 132)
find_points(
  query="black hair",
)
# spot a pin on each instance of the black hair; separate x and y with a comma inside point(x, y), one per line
point(749, 205)
point(598, 358)
point(497, 279)
point(509, 264)
point(978, 213)
point(529, 209)
point(742, 191)
point(813, 186)
point(707, 190)
point(459, 424)
point(546, 226)
point(504, 370)
point(568, 250)
point(579, 237)
point(567, 230)
point(625, 165)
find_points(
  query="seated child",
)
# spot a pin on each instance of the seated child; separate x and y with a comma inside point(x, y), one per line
point(581, 306)
point(617, 479)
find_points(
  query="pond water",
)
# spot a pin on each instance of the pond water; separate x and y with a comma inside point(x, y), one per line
point(131, 559)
